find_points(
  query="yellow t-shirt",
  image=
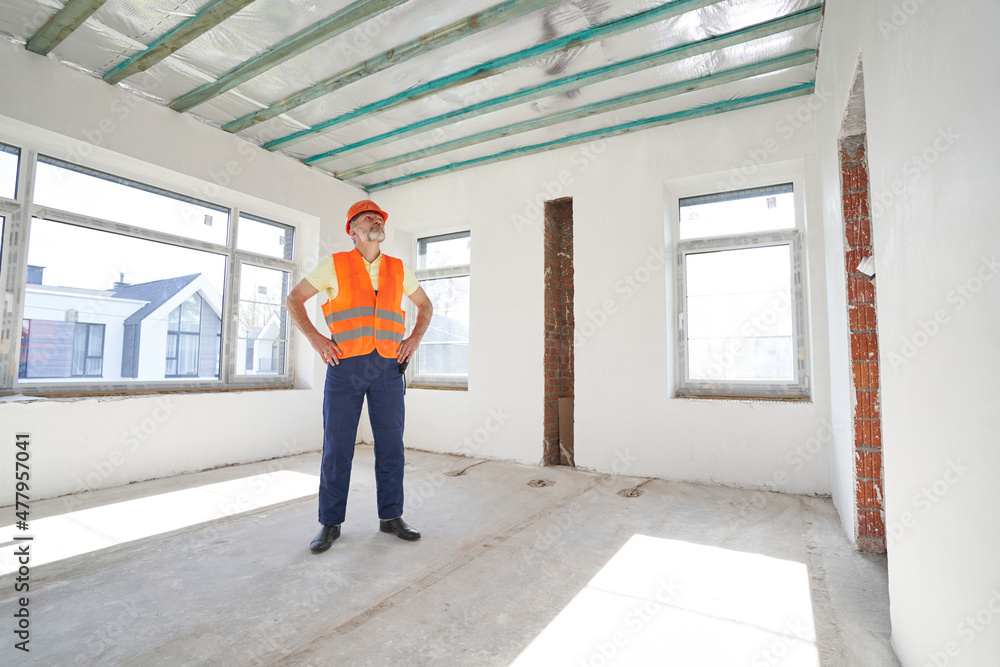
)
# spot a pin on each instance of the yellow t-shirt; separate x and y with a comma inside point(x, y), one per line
point(324, 276)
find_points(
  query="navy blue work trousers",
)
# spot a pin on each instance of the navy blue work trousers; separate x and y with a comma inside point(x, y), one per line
point(378, 379)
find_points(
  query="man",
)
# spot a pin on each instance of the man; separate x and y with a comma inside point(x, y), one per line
point(365, 357)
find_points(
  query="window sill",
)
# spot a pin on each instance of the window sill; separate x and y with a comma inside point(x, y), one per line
point(738, 397)
point(437, 386)
point(34, 395)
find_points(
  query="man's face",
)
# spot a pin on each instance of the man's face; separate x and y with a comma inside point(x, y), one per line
point(369, 226)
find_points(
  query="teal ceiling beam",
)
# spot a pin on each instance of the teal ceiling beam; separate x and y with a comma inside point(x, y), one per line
point(354, 14)
point(502, 64)
point(605, 106)
point(59, 27)
point(181, 35)
point(484, 20)
point(594, 135)
point(775, 26)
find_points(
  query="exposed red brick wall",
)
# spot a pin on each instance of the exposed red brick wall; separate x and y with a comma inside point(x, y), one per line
point(864, 348)
point(559, 321)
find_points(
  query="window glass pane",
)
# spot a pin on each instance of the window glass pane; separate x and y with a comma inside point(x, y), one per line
point(265, 237)
point(446, 250)
point(129, 285)
point(79, 349)
point(95, 344)
point(444, 350)
point(111, 198)
point(190, 314)
point(263, 323)
point(745, 211)
point(46, 349)
point(187, 355)
point(88, 350)
point(8, 171)
point(739, 305)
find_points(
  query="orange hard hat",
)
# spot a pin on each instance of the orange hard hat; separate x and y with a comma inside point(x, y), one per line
point(363, 207)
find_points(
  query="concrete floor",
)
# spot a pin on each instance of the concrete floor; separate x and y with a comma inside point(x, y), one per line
point(569, 573)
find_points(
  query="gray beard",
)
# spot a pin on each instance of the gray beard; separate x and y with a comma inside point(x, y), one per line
point(376, 235)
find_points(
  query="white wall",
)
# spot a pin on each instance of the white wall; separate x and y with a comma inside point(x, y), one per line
point(97, 442)
point(626, 418)
point(931, 100)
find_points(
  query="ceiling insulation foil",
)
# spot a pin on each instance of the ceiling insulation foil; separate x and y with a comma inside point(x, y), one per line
point(121, 29)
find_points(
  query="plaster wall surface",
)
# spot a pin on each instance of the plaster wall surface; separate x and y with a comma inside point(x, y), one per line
point(930, 104)
point(89, 443)
point(627, 419)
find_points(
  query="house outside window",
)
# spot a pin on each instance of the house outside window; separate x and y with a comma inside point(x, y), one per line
point(443, 269)
point(61, 349)
point(741, 296)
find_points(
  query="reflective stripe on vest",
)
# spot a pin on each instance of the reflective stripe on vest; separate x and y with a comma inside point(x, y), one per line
point(350, 313)
point(360, 320)
point(354, 334)
point(389, 315)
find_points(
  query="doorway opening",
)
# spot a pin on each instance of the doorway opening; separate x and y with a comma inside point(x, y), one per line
point(558, 446)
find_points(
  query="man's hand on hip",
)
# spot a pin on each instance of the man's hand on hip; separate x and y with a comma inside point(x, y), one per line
point(407, 347)
point(328, 351)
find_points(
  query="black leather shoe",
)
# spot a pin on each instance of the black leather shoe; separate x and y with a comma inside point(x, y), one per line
point(399, 527)
point(325, 539)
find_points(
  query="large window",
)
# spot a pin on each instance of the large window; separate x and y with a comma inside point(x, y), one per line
point(740, 304)
point(129, 285)
point(443, 269)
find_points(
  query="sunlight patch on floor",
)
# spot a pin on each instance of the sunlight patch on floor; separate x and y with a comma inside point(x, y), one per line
point(668, 602)
point(74, 533)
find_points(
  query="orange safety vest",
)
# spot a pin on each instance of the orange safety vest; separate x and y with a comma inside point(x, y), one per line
point(359, 319)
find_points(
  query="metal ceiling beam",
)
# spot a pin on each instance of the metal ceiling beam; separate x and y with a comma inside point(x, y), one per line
point(488, 18)
point(613, 104)
point(181, 35)
point(333, 25)
point(502, 64)
point(775, 26)
point(59, 27)
point(594, 135)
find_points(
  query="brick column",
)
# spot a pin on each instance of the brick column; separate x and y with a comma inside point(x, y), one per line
point(559, 319)
point(864, 348)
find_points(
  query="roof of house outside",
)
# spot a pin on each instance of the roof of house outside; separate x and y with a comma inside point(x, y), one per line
point(156, 292)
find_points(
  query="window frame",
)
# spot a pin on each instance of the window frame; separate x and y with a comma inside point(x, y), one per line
point(799, 388)
point(266, 262)
point(18, 215)
point(285, 228)
point(429, 381)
